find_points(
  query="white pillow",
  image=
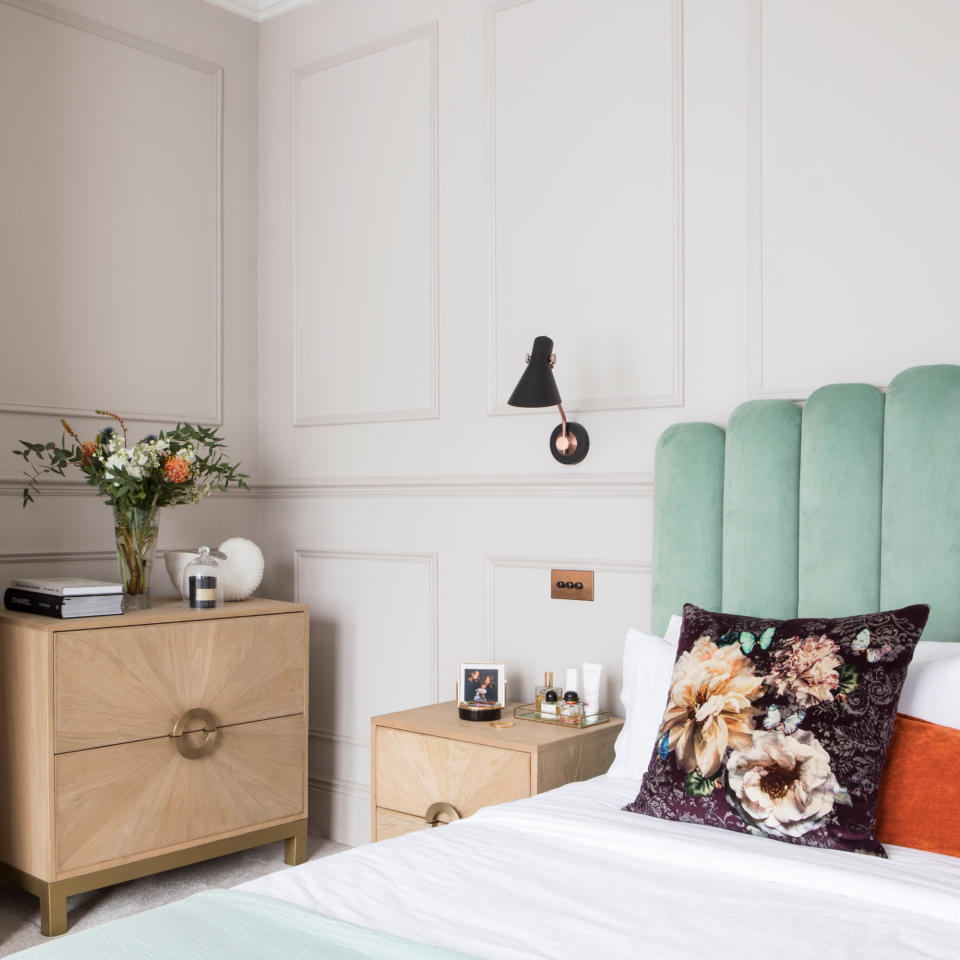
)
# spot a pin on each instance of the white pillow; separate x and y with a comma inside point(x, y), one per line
point(933, 679)
point(647, 669)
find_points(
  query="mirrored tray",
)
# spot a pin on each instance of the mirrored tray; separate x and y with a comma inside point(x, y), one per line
point(528, 711)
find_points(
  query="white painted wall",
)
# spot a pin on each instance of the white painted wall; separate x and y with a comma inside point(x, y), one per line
point(128, 180)
point(701, 203)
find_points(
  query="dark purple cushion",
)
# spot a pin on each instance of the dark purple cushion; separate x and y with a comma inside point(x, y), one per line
point(779, 728)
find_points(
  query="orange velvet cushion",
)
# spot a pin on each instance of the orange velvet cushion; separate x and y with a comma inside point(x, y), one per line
point(920, 790)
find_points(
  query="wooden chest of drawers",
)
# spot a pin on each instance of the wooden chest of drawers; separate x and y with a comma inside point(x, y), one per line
point(430, 767)
point(137, 743)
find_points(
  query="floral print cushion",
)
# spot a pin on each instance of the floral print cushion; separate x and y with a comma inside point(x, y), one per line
point(780, 728)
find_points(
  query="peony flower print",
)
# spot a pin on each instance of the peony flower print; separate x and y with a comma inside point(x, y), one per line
point(783, 785)
point(711, 706)
point(805, 670)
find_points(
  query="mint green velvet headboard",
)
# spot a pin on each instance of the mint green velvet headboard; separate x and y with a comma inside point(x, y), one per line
point(847, 506)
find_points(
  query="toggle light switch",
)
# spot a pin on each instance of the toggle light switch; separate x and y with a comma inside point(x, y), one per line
point(571, 584)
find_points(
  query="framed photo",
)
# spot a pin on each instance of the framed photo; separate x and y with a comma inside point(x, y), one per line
point(482, 684)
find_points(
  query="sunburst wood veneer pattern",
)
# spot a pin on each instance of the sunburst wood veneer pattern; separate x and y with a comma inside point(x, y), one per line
point(428, 755)
point(96, 784)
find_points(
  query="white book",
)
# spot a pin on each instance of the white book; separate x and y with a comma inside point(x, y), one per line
point(66, 586)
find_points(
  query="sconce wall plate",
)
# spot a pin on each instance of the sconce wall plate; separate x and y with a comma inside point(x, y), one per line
point(578, 443)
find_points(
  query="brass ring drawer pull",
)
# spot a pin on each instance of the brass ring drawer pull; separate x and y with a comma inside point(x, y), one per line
point(208, 740)
point(436, 810)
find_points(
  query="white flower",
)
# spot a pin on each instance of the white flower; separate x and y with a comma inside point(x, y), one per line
point(782, 784)
point(115, 462)
point(187, 453)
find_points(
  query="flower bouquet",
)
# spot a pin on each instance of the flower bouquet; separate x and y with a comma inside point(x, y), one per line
point(180, 466)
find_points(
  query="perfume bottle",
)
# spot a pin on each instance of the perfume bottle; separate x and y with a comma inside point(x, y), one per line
point(571, 708)
point(540, 692)
point(550, 703)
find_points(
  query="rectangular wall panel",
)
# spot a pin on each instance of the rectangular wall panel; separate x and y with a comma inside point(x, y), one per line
point(365, 234)
point(532, 633)
point(110, 200)
point(373, 637)
point(856, 197)
point(584, 190)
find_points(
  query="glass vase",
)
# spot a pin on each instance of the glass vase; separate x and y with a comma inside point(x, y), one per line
point(136, 530)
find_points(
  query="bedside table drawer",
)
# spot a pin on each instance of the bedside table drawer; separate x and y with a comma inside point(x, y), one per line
point(120, 801)
point(124, 684)
point(416, 770)
point(391, 824)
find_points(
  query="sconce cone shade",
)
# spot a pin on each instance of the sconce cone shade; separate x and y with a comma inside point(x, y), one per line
point(569, 442)
point(537, 388)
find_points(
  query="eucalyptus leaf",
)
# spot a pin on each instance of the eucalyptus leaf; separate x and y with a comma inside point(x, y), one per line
point(849, 674)
point(695, 784)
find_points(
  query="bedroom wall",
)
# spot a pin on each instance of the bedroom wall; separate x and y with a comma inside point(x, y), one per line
point(700, 202)
point(128, 184)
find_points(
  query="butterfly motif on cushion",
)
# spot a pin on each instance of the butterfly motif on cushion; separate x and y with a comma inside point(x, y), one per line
point(663, 747)
point(747, 640)
point(861, 643)
point(779, 719)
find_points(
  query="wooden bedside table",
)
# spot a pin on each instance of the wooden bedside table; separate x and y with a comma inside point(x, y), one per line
point(137, 743)
point(429, 767)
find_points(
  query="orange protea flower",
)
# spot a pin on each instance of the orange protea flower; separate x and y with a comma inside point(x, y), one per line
point(177, 469)
point(87, 450)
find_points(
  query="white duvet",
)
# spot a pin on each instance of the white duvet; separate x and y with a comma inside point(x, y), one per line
point(568, 874)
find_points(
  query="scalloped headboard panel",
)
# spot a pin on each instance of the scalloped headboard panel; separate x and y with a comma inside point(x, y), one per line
point(847, 506)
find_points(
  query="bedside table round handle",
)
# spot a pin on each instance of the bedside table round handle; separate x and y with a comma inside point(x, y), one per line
point(436, 810)
point(208, 740)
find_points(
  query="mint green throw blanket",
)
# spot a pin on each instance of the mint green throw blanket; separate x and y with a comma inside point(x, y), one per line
point(230, 925)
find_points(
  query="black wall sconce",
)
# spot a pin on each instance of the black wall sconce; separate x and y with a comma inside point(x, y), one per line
point(569, 442)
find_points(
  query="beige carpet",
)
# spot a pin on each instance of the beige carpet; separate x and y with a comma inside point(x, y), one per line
point(20, 912)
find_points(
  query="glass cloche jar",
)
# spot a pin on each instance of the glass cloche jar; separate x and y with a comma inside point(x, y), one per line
point(203, 582)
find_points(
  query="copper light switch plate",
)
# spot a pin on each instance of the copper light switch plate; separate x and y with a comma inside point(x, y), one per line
point(571, 584)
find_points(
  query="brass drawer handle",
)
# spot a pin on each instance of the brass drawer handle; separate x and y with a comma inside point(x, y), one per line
point(436, 810)
point(207, 742)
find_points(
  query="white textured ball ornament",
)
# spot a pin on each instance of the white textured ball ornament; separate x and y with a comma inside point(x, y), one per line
point(242, 570)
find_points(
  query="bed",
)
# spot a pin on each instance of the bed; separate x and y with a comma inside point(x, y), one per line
point(873, 477)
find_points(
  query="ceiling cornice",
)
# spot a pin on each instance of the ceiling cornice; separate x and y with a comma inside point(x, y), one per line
point(259, 10)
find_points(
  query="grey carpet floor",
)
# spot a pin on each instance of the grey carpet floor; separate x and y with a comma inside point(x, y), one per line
point(20, 912)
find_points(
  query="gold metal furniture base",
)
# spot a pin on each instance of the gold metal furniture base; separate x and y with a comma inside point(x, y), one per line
point(53, 895)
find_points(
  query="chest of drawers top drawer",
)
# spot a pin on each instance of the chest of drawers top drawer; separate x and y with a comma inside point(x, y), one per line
point(121, 684)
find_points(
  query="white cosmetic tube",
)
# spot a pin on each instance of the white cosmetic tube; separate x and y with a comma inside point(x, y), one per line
point(591, 688)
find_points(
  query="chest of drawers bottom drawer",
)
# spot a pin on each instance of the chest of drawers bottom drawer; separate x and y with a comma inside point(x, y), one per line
point(117, 802)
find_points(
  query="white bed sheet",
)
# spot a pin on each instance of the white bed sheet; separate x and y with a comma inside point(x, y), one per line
point(567, 873)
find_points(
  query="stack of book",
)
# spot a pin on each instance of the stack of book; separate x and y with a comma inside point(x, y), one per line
point(64, 597)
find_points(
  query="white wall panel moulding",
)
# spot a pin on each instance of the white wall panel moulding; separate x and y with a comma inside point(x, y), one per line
point(475, 485)
point(317, 734)
point(494, 563)
point(369, 627)
point(352, 789)
point(72, 487)
point(852, 237)
point(585, 200)
point(479, 485)
point(365, 234)
point(61, 556)
point(92, 201)
point(259, 10)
